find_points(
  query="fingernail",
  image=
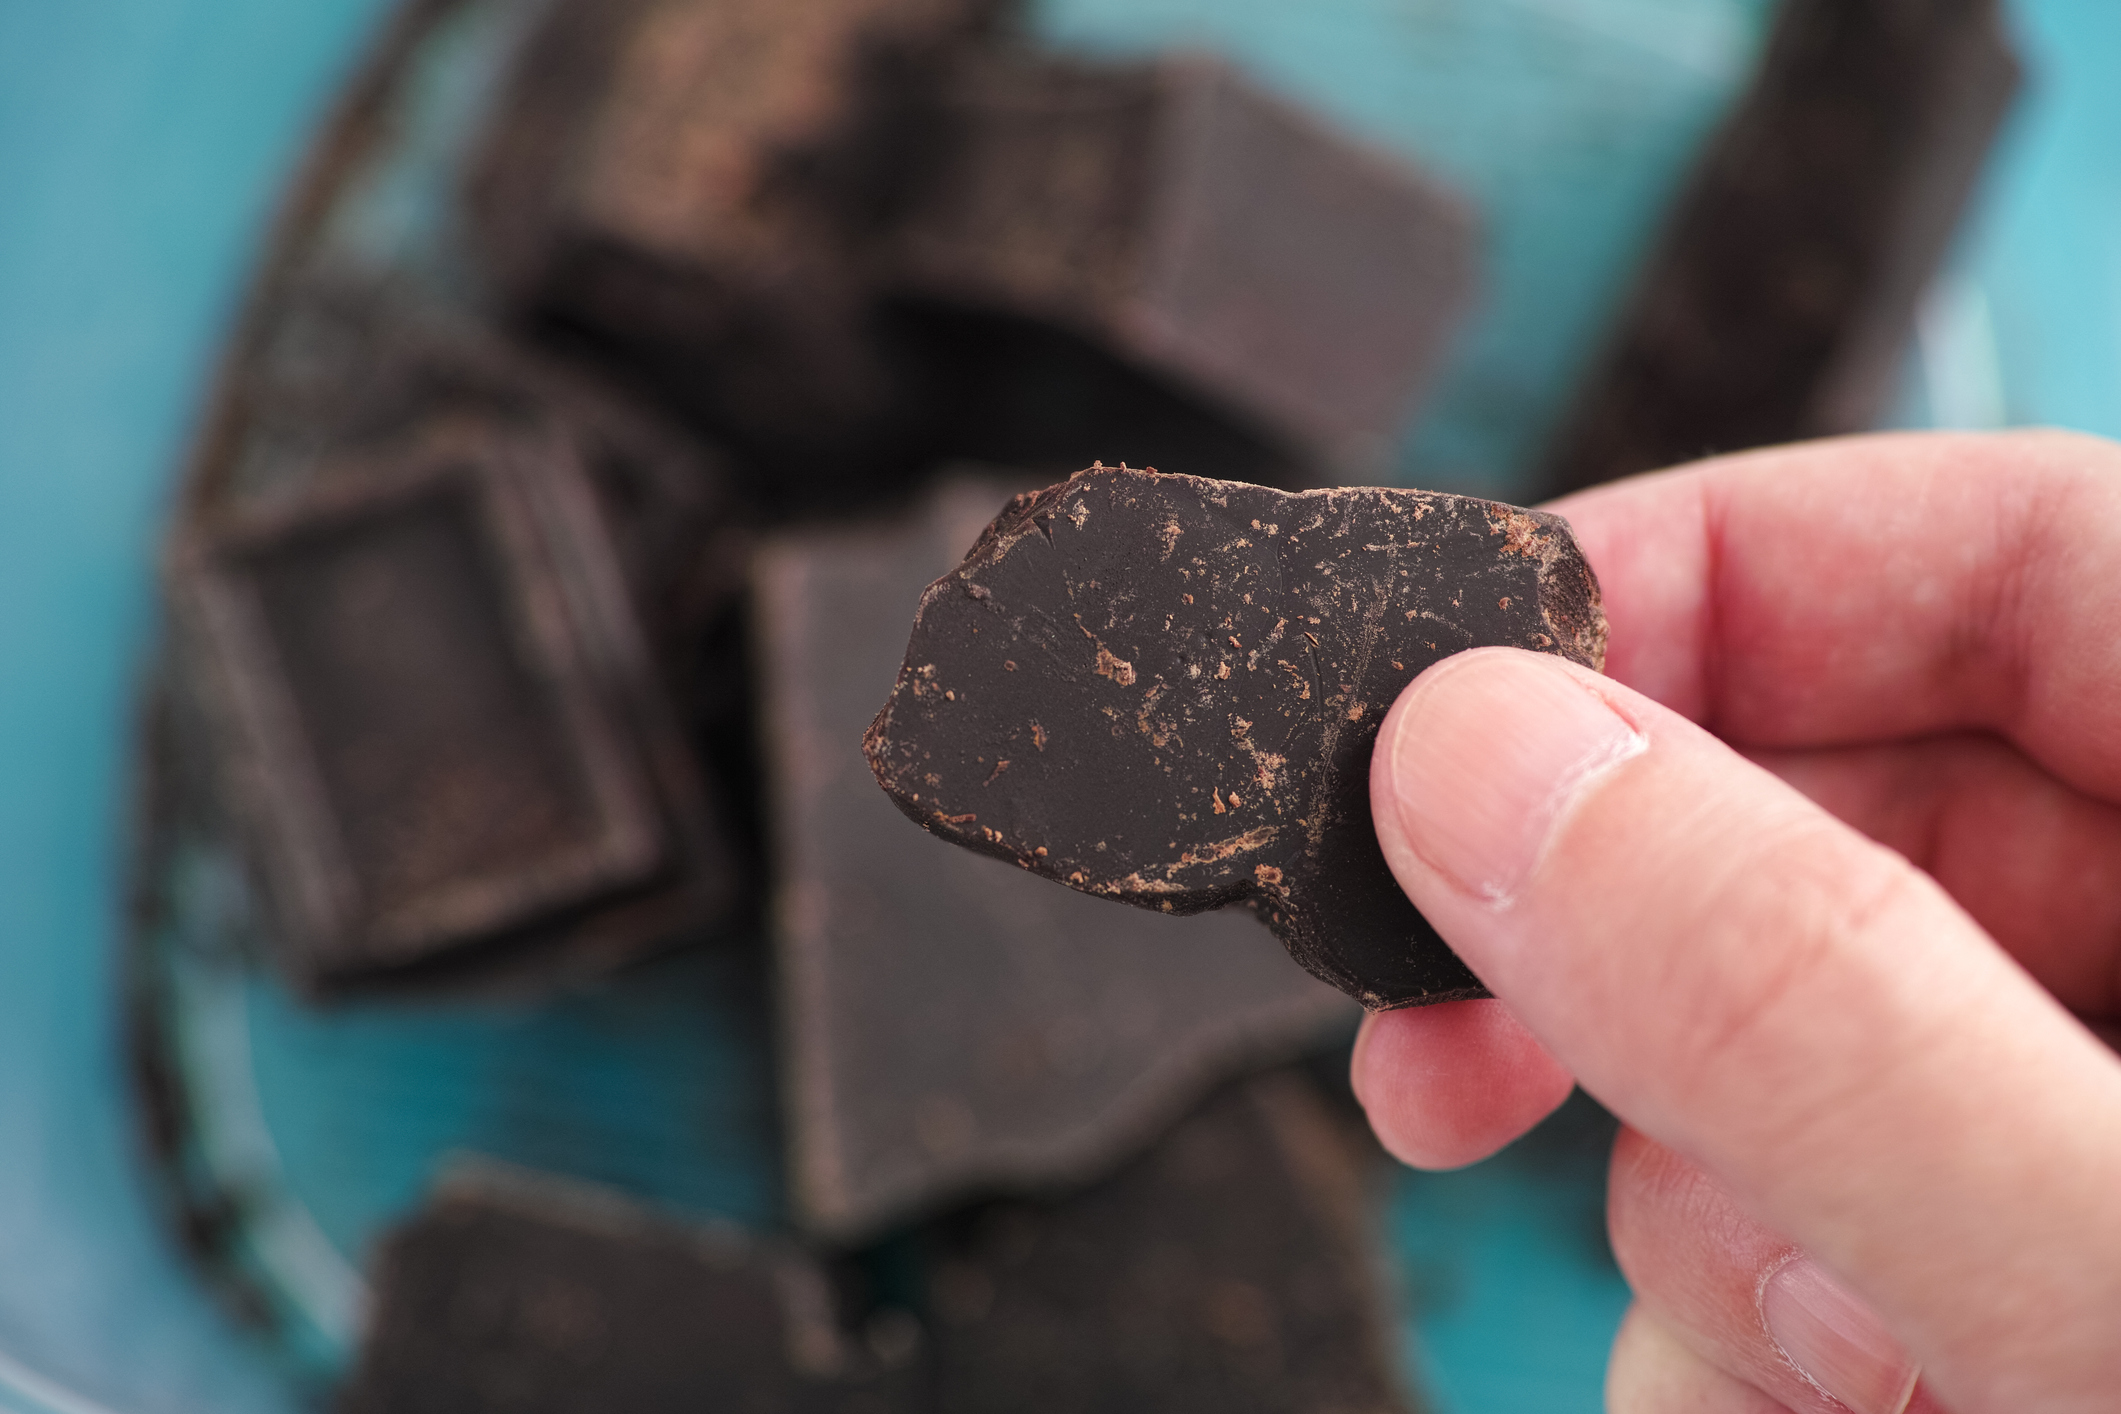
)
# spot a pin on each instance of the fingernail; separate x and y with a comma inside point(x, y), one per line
point(1485, 757)
point(1834, 1340)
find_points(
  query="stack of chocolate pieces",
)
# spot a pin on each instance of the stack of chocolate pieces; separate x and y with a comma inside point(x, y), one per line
point(852, 240)
point(536, 632)
point(541, 635)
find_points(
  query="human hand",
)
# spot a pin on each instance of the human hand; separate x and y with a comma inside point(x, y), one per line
point(1865, 1132)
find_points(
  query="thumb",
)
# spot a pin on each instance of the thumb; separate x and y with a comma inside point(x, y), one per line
point(1795, 1009)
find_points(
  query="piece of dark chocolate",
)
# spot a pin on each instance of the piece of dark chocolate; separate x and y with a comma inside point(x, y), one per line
point(1232, 1268)
point(684, 188)
point(438, 716)
point(356, 368)
point(1165, 690)
point(1781, 298)
point(949, 1024)
point(526, 1294)
point(1193, 226)
point(700, 132)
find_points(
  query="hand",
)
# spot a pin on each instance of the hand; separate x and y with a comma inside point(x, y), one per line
point(1818, 892)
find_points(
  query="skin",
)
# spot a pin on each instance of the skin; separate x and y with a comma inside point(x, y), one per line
point(1828, 912)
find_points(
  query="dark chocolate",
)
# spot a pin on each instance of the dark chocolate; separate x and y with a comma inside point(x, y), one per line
point(684, 188)
point(355, 369)
point(1165, 690)
point(1237, 247)
point(438, 716)
point(526, 1295)
point(852, 238)
point(951, 1025)
point(1231, 1270)
point(1780, 300)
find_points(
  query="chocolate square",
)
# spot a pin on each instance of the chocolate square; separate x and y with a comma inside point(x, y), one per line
point(1201, 229)
point(531, 1295)
point(439, 718)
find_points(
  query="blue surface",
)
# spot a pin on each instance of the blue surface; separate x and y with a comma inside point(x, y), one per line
point(141, 145)
point(642, 1084)
point(317, 1128)
point(2035, 295)
point(1508, 1277)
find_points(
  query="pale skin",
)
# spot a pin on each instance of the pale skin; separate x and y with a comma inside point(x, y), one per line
point(1820, 892)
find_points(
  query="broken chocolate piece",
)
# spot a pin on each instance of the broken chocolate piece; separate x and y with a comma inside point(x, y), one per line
point(849, 239)
point(698, 133)
point(1196, 227)
point(532, 1295)
point(1782, 296)
point(684, 187)
point(1165, 690)
point(437, 713)
point(951, 1025)
point(356, 368)
point(1230, 1269)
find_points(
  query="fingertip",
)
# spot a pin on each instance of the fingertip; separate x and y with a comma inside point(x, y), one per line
point(1476, 763)
point(1446, 1086)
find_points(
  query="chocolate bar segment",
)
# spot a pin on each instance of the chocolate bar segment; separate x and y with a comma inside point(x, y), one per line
point(354, 368)
point(1165, 690)
point(950, 1025)
point(684, 188)
point(1231, 1268)
point(1200, 230)
point(437, 711)
point(698, 133)
point(520, 1293)
point(1782, 295)
point(851, 239)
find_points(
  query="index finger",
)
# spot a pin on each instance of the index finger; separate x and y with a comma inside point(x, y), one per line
point(1874, 588)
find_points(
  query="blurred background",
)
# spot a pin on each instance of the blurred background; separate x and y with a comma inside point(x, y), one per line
point(243, 243)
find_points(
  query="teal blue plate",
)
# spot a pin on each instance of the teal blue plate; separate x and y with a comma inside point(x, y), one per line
point(140, 144)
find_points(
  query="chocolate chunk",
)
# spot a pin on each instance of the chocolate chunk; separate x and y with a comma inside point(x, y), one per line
point(439, 717)
point(1241, 249)
point(354, 367)
point(698, 133)
point(683, 187)
point(1780, 301)
point(950, 1024)
point(850, 239)
point(1230, 1269)
point(531, 1295)
point(1165, 690)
